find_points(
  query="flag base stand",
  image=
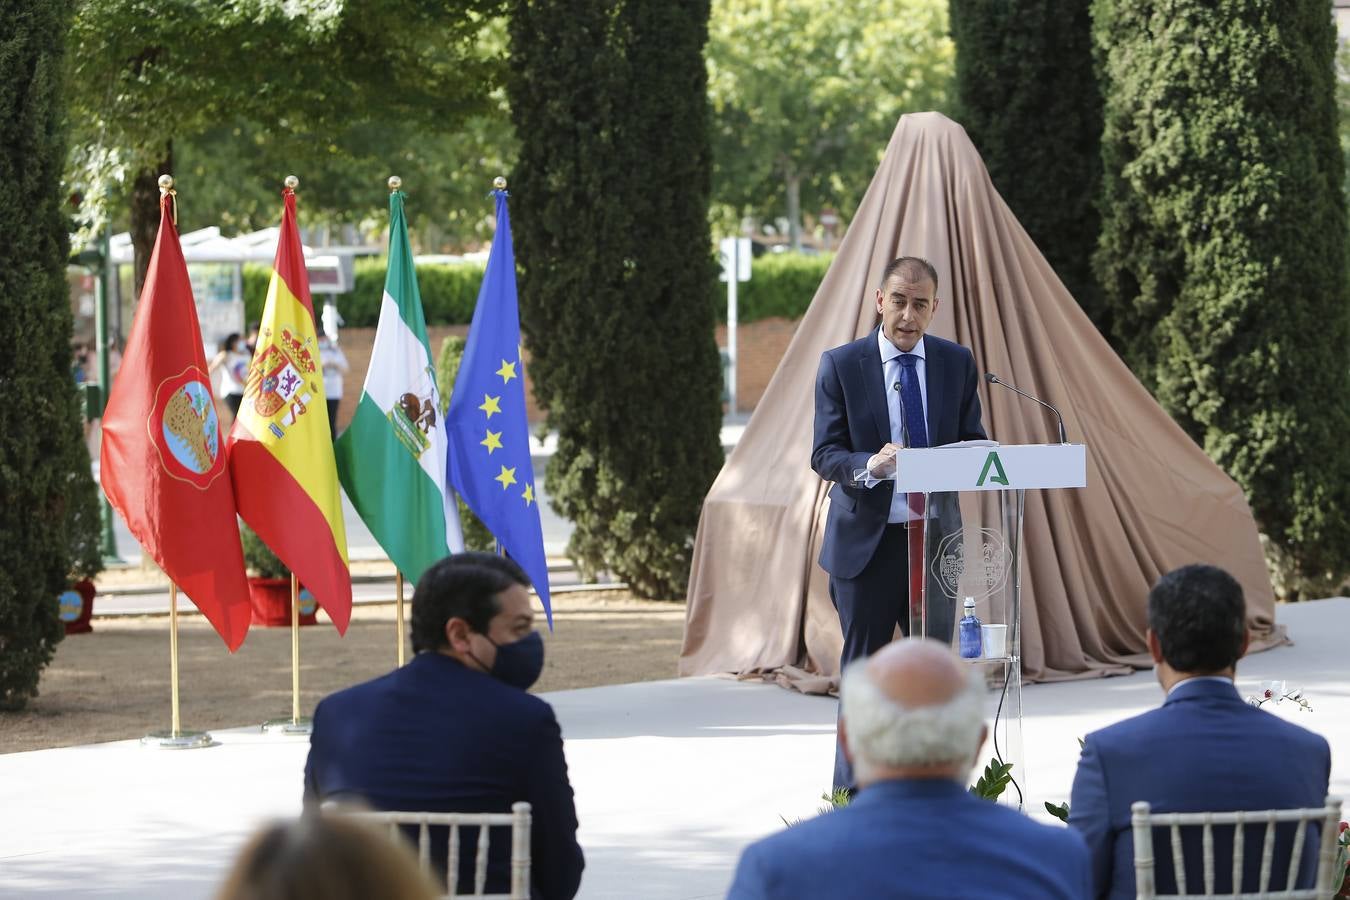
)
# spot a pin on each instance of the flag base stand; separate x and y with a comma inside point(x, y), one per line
point(178, 740)
point(302, 725)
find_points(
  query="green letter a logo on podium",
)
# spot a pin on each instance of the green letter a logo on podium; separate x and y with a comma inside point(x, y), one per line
point(992, 462)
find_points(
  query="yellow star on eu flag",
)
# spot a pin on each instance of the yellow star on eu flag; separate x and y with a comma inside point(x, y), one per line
point(507, 477)
point(491, 405)
point(493, 441)
point(529, 494)
point(507, 371)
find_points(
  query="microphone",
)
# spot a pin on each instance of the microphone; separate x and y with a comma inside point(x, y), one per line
point(994, 379)
point(904, 420)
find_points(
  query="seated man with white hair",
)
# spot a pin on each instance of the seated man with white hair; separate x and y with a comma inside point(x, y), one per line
point(912, 725)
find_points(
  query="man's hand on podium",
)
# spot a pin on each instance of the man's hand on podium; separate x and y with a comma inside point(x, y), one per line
point(882, 463)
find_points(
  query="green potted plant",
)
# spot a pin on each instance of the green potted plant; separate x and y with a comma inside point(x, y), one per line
point(75, 605)
point(269, 584)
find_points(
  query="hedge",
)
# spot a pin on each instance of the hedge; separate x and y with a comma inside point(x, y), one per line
point(781, 284)
point(1025, 62)
point(49, 514)
point(1223, 257)
point(449, 292)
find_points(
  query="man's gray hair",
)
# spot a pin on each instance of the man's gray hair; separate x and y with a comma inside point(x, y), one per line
point(881, 732)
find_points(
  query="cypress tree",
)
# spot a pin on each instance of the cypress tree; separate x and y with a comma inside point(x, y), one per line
point(1222, 255)
point(1027, 95)
point(610, 203)
point(48, 505)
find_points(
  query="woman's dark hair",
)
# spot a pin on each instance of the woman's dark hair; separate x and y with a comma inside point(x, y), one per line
point(463, 586)
point(230, 340)
point(1200, 617)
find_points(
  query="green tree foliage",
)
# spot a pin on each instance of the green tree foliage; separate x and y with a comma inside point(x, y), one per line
point(610, 219)
point(476, 534)
point(49, 517)
point(806, 93)
point(446, 174)
point(1028, 97)
point(1222, 254)
point(300, 73)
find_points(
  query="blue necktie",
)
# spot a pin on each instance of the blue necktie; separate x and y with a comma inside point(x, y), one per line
point(912, 401)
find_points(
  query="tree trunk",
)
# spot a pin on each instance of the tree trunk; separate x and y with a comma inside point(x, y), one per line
point(794, 211)
point(145, 213)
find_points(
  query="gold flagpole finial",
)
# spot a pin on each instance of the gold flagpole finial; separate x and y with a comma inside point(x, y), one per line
point(499, 183)
point(166, 189)
point(292, 182)
point(395, 183)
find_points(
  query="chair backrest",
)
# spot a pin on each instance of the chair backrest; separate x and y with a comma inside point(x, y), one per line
point(1143, 823)
point(518, 819)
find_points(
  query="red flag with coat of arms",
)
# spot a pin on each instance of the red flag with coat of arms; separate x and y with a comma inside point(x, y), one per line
point(163, 462)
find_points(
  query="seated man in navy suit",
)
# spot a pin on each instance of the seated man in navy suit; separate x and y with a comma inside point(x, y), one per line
point(1203, 750)
point(913, 723)
point(454, 730)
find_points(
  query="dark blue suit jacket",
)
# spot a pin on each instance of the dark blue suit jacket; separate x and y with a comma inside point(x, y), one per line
point(1203, 750)
point(437, 736)
point(915, 839)
point(851, 423)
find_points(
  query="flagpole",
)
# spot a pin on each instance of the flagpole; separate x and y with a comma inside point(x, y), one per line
point(295, 648)
point(176, 738)
point(296, 724)
point(173, 658)
point(398, 612)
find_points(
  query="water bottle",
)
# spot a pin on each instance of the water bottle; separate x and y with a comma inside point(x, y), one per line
point(969, 631)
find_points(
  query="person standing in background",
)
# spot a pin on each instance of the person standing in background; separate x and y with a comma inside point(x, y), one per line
point(233, 364)
point(334, 367)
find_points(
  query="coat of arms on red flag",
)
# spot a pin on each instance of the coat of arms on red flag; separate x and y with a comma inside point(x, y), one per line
point(184, 429)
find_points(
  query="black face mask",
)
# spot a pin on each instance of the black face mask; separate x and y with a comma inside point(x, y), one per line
point(519, 662)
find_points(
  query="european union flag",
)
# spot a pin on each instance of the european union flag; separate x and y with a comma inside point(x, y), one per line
point(488, 457)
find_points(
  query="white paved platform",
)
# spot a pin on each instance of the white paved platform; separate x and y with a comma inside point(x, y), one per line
point(672, 778)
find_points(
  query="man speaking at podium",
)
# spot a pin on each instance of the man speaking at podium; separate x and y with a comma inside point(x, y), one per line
point(894, 387)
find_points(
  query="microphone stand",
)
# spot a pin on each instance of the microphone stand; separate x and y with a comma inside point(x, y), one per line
point(994, 379)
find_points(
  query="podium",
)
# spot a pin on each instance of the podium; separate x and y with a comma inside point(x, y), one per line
point(966, 541)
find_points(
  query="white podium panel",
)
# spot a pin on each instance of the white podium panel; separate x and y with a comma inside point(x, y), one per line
point(1012, 467)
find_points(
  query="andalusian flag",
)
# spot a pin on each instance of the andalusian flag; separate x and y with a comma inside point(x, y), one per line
point(280, 449)
point(392, 457)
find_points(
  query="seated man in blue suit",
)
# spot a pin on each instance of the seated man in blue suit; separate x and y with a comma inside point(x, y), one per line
point(913, 723)
point(1203, 750)
point(454, 730)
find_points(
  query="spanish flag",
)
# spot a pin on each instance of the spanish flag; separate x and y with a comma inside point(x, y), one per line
point(280, 448)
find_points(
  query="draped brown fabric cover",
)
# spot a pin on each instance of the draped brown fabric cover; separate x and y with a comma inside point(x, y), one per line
point(759, 603)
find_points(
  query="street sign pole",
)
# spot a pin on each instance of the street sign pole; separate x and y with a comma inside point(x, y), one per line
point(731, 327)
point(103, 291)
point(735, 253)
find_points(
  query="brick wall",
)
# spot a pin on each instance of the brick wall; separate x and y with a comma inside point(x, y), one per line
point(760, 347)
